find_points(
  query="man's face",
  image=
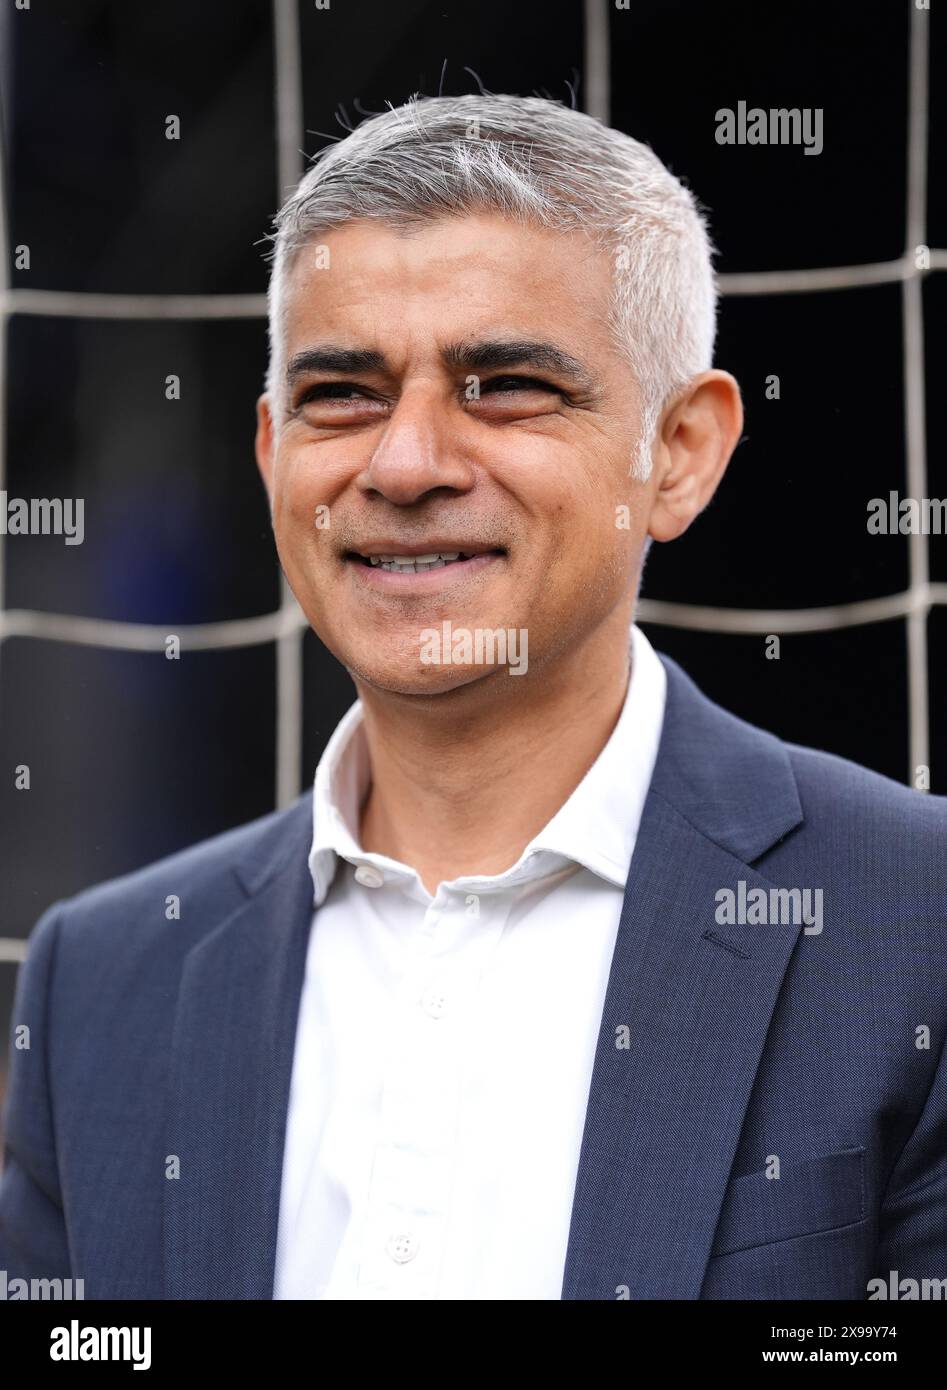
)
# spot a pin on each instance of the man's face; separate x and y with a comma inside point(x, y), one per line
point(454, 392)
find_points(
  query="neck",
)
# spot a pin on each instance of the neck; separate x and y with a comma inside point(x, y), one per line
point(461, 782)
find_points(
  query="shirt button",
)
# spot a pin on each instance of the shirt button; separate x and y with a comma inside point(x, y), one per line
point(402, 1248)
point(434, 1002)
point(369, 876)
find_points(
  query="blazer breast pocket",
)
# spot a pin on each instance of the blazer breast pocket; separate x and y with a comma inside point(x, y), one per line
point(812, 1195)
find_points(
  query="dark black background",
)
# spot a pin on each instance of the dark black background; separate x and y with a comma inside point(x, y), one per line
point(133, 756)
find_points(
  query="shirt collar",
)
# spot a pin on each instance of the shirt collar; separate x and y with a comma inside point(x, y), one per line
point(596, 827)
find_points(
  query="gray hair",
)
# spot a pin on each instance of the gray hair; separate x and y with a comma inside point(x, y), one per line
point(540, 163)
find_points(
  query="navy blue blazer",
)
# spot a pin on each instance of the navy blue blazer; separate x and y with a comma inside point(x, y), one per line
point(747, 1045)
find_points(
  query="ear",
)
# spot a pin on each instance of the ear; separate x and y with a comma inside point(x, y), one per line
point(695, 439)
point(264, 443)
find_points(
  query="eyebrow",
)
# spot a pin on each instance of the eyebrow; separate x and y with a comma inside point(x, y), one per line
point(469, 355)
point(329, 357)
point(519, 352)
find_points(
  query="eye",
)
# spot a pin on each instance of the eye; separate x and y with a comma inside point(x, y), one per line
point(330, 391)
point(508, 399)
point(336, 404)
point(505, 384)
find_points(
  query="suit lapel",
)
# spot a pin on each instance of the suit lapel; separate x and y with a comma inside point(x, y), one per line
point(665, 1113)
point(231, 1065)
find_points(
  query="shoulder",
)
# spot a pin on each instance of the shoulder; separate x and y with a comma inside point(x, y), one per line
point(203, 883)
point(840, 795)
point(877, 850)
point(801, 813)
point(711, 747)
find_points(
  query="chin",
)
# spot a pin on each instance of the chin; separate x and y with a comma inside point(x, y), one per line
point(401, 678)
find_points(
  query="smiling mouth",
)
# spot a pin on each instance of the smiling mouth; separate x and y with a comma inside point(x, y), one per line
point(418, 564)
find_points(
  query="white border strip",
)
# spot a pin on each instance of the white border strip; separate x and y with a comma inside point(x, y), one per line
point(914, 404)
point(841, 277)
point(790, 620)
point(4, 323)
point(290, 163)
point(289, 622)
point(596, 97)
point(76, 304)
point(151, 637)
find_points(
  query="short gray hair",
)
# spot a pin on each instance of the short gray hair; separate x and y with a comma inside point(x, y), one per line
point(540, 163)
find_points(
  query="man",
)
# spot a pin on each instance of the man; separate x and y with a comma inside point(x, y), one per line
point(563, 982)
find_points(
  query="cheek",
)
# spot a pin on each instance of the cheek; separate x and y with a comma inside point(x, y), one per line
point(593, 526)
point(301, 507)
point(600, 553)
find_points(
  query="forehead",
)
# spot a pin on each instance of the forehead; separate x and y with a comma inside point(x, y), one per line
point(452, 276)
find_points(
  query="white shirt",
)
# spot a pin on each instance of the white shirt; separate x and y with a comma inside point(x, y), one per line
point(444, 1045)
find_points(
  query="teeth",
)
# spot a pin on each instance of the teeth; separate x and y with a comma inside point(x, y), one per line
point(414, 564)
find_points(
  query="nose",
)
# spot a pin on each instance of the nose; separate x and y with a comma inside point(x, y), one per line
point(419, 451)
